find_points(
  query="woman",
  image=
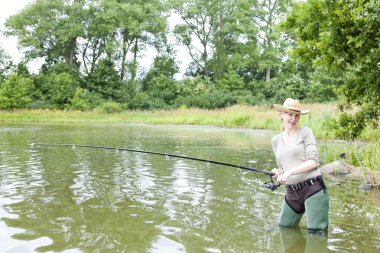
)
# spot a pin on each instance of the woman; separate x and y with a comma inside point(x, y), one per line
point(297, 160)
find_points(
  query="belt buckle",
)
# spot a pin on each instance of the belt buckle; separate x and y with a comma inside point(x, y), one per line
point(309, 182)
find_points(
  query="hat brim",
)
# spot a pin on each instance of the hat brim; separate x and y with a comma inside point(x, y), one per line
point(280, 108)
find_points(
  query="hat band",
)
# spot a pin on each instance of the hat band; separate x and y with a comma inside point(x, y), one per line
point(294, 110)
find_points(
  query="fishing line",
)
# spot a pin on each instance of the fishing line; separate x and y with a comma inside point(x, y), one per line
point(269, 184)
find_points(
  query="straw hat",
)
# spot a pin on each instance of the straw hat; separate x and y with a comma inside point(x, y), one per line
point(292, 106)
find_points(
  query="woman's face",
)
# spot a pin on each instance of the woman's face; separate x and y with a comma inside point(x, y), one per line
point(290, 120)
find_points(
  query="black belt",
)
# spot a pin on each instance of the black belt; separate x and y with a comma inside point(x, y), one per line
point(305, 183)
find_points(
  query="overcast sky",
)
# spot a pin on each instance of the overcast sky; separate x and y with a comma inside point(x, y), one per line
point(7, 9)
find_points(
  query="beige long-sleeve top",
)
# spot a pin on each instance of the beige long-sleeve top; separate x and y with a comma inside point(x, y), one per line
point(301, 148)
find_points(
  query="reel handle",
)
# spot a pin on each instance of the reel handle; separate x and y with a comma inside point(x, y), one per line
point(271, 184)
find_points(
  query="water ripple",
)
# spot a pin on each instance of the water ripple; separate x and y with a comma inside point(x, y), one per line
point(56, 199)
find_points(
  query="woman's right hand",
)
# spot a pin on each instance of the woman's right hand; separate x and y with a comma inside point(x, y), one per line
point(276, 172)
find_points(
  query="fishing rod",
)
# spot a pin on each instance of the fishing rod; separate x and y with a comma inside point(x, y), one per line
point(269, 184)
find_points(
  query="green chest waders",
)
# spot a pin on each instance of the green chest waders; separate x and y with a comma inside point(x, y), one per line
point(317, 211)
point(313, 200)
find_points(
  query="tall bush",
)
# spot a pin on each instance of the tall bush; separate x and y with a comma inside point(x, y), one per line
point(58, 89)
point(80, 101)
point(163, 88)
point(231, 81)
point(15, 92)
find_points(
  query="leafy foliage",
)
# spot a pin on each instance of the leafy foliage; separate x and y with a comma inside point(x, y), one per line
point(15, 92)
point(194, 86)
point(231, 81)
point(349, 126)
point(144, 101)
point(106, 82)
point(80, 100)
point(93, 55)
point(163, 88)
point(5, 65)
point(110, 107)
point(163, 65)
point(342, 36)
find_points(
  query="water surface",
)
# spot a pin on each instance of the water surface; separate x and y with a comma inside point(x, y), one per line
point(72, 199)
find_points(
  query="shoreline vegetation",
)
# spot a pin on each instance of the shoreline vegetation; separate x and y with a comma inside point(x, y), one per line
point(237, 116)
point(363, 154)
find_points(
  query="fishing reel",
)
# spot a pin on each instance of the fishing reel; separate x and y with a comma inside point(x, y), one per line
point(271, 185)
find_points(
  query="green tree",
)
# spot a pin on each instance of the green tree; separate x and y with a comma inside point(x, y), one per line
point(59, 88)
point(266, 18)
point(98, 36)
point(323, 86)
point(5, 64)
point(196, 31)
point(49, 29)
point(234, 37)
point(231, 81)
point(137, 25)
point(164, 88)
point(217, 34)
point(55, 85)
point(194, 86)
point(106, 81)
point(80, 100)
point(15, 92)
point(342, 37)
point(165, 65)
point(85, 32)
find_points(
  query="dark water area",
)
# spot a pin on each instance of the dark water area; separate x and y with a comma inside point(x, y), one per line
point(73, 199)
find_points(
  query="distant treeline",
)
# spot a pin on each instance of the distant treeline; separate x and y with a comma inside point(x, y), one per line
point(240, 52)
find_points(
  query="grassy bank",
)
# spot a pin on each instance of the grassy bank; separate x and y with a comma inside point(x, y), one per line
point(257, 117)
point(251, 117)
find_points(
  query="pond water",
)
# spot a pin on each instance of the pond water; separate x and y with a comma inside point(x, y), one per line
point(73, 199)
